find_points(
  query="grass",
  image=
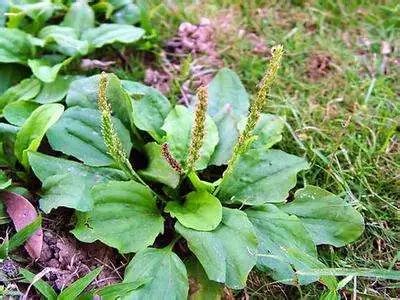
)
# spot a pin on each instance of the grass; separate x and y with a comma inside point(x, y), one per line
point(346, 122)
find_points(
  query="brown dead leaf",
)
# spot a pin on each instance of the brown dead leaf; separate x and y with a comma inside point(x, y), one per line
point(22, 213)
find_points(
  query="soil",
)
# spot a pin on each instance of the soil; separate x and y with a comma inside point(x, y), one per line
point(67, 260)
point(318, 66)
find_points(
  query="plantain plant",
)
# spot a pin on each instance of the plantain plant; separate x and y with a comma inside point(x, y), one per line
point(196, 193)
point(39, 40)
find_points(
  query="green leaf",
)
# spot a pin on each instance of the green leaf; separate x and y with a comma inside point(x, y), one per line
point(330, 295)
point(7, 140)
point(359, 272)
point(228, 134)
point(178, 126)
point(51, 170)
point(65, 190)
point(165, 272)
point(149, 113)
point(261, 176)
point(81, 231)
point(80, 17)
point(128, 14)
point(201, 287)
point(54, 91)
point(20, 237)
point(228, 253)
point(268, 131)
point(198, 184)
point(228, 103)
point(135, 89)
point(27, 89)
point(5, 182)
point(115, 291)
point(76, 288)
point(41, 286)
point(304, 263)
point(63, 40)
point(276, 231)
point(112, 33)
point(78, 133)
point(11, 74)
point(83, 92)
point(328, 218)
point(158, 168)
point(33, 130)
point(225, 90)
point(15, 46)
point(200, 211)
point(4, 6)
point(18, 112)
point(37, 11)
point(125, 216)
point(45, 70)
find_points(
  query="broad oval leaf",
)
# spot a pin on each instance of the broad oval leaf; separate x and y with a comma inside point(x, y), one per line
point(228, 134)
point(178, 126)
point(78, 133)
point(124, 216)
point(80, 17)
point(129, 14)
point(328, 218)
point(158, 168)
point(83, 92)
point(45, 69)
point(27, 89)
point(268, 131)
point(227, 253)
point(18, 112)
point(63, 40)
point(70, 179)
point(149, 113)
point(226, 90)
point(11, 74)
point(277, 231)
point(54, 91)
point(261, 176)
point(162, 270)
point(200, 211)
point(228, 104)
point(33, 130)
point(15, 46)
point(112, 33)
point(203, 288)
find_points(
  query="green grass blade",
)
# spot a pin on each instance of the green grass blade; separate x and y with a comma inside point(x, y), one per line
point(40, 285)
point(20, 237)
point(75, 289)
point(360, 272)
point(114, 291)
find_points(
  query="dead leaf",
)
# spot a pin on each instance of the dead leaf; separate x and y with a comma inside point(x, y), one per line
point(22, 213)
point(385, 48)
point(91, 64)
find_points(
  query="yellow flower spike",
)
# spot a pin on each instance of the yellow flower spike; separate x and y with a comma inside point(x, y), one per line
point(256, 107)
point(198, 128)
point(110, 136)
